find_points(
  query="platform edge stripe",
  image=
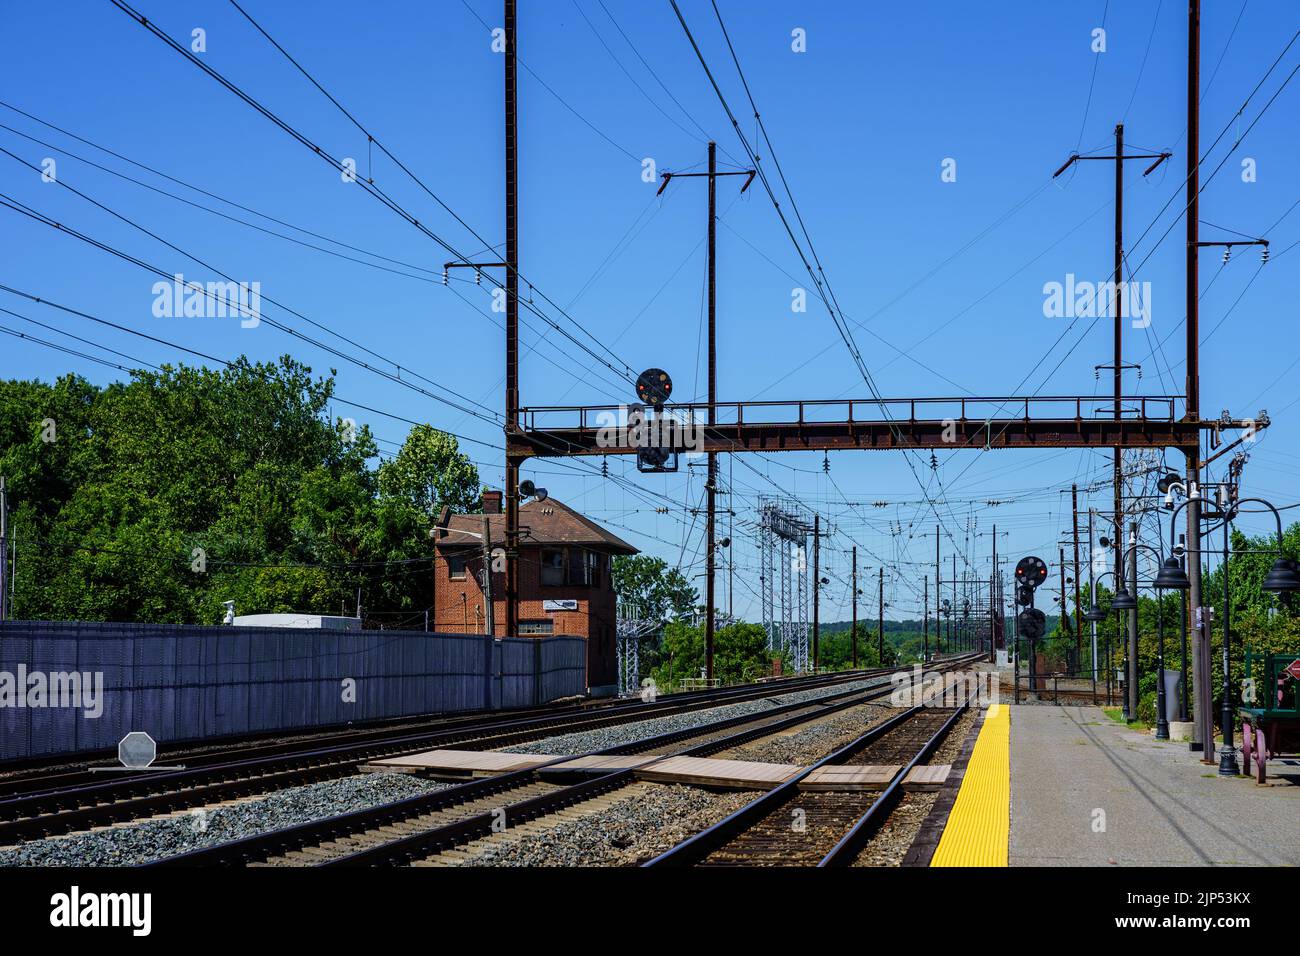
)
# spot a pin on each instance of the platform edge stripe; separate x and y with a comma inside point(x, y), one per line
point(979, 828)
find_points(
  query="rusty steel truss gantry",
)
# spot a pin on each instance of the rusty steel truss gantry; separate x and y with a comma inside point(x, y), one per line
point(1148, 421)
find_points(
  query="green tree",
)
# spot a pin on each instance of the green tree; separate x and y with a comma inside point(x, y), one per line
point(429, 472)
point(739, 653)
point(158, 498)
point(657, 590)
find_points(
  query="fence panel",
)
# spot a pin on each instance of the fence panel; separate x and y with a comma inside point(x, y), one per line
point(189, 682)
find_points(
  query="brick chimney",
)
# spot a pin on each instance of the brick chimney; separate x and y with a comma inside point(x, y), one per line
point(491, 502)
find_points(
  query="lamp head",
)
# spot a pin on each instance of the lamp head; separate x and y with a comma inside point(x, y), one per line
point(1282, 578)
point(1123, 601)
point(1171, 576)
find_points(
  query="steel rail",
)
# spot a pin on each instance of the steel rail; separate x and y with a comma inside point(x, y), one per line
point(852, 842)
point(33, 816)
point(260, 846)
point(407, 850)
point(693, 850)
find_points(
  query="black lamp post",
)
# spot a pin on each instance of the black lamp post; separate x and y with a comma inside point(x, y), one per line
point(1094, 614)
point(1130, 603)
point(1281, 578)
point(1121, 603)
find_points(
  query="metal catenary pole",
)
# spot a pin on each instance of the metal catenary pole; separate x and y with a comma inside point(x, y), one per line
point(512, 316)
point(817, 590)
point(1203, 729)
point(880, 633)
point(855, 606)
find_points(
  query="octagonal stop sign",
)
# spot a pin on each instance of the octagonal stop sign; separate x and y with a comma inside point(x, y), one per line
point(137, 750)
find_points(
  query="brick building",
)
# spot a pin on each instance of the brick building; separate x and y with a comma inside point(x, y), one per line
point(565, 580)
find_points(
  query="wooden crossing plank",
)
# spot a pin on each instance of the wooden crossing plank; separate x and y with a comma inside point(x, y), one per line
point(607, 763)
point(850, 777)
point(472, 762)
point(931, 777)
point(710, 772)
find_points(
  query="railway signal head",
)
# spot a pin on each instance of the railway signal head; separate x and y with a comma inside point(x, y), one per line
point(654, 459)
point(1031, 623)
point(1031, 571)
point(653, 386)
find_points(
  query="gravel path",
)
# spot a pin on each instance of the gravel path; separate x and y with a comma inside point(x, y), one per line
point(602, 737)
point(625, 834)
point(155, 839)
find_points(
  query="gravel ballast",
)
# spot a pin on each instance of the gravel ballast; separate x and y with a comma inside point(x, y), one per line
point(603, 737)
point(810, 743)
point(155, 839)
point(626, 833)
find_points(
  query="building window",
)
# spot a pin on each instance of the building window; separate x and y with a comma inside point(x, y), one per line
point(536, 627)
point(595, 561)
point(552, 567)
point(456, 567)
point(577, 576)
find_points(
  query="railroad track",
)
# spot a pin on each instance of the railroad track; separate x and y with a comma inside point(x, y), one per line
point(442, 827)
point(17, 780)
point(788, 826)
point(104, 802)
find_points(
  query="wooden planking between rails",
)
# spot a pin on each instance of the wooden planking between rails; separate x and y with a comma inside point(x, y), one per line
point(850, 777)
point(473, 762)
point(700, 771)
point(710, 772)
point(930, 777)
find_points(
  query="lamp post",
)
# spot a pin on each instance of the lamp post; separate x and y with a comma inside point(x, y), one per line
point(1283, 577)
point(1128, 602)
point(1094, 614)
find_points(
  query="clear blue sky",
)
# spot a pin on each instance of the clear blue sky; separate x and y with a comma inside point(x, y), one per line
point(945, 279)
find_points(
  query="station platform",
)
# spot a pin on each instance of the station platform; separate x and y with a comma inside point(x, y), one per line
point(1068, 786)
point(1086, 791)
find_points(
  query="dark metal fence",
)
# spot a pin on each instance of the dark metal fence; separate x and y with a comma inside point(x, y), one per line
point(190, 682)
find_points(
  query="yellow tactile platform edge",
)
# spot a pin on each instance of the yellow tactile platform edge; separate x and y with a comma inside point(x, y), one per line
point(979, 826)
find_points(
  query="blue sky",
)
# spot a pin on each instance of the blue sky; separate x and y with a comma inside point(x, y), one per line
point(943, 280)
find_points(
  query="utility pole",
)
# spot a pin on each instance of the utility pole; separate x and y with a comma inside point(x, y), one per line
point(953, 613)
point(855, 607)
point(512, 316)
point(939, 598)
point(880, 634)
point(925, 624)
point(1117, 282)
point(817, 587)
point(1131, 692)
point(731, 536)
point(1092, 600)
point(489, 608)
point(711, 485)
point(1078, 608)
point(1065, 617)
point(4, 551)
point(1203, 729)
point(993, 644)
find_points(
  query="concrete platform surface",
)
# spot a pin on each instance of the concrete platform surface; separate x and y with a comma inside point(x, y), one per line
point(1086, 791)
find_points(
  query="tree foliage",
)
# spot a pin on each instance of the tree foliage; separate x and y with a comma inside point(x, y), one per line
point(660, 592)
point(158, 498)
point(739, 653)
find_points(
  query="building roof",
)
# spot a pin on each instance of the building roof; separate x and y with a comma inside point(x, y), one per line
point(540, 523)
